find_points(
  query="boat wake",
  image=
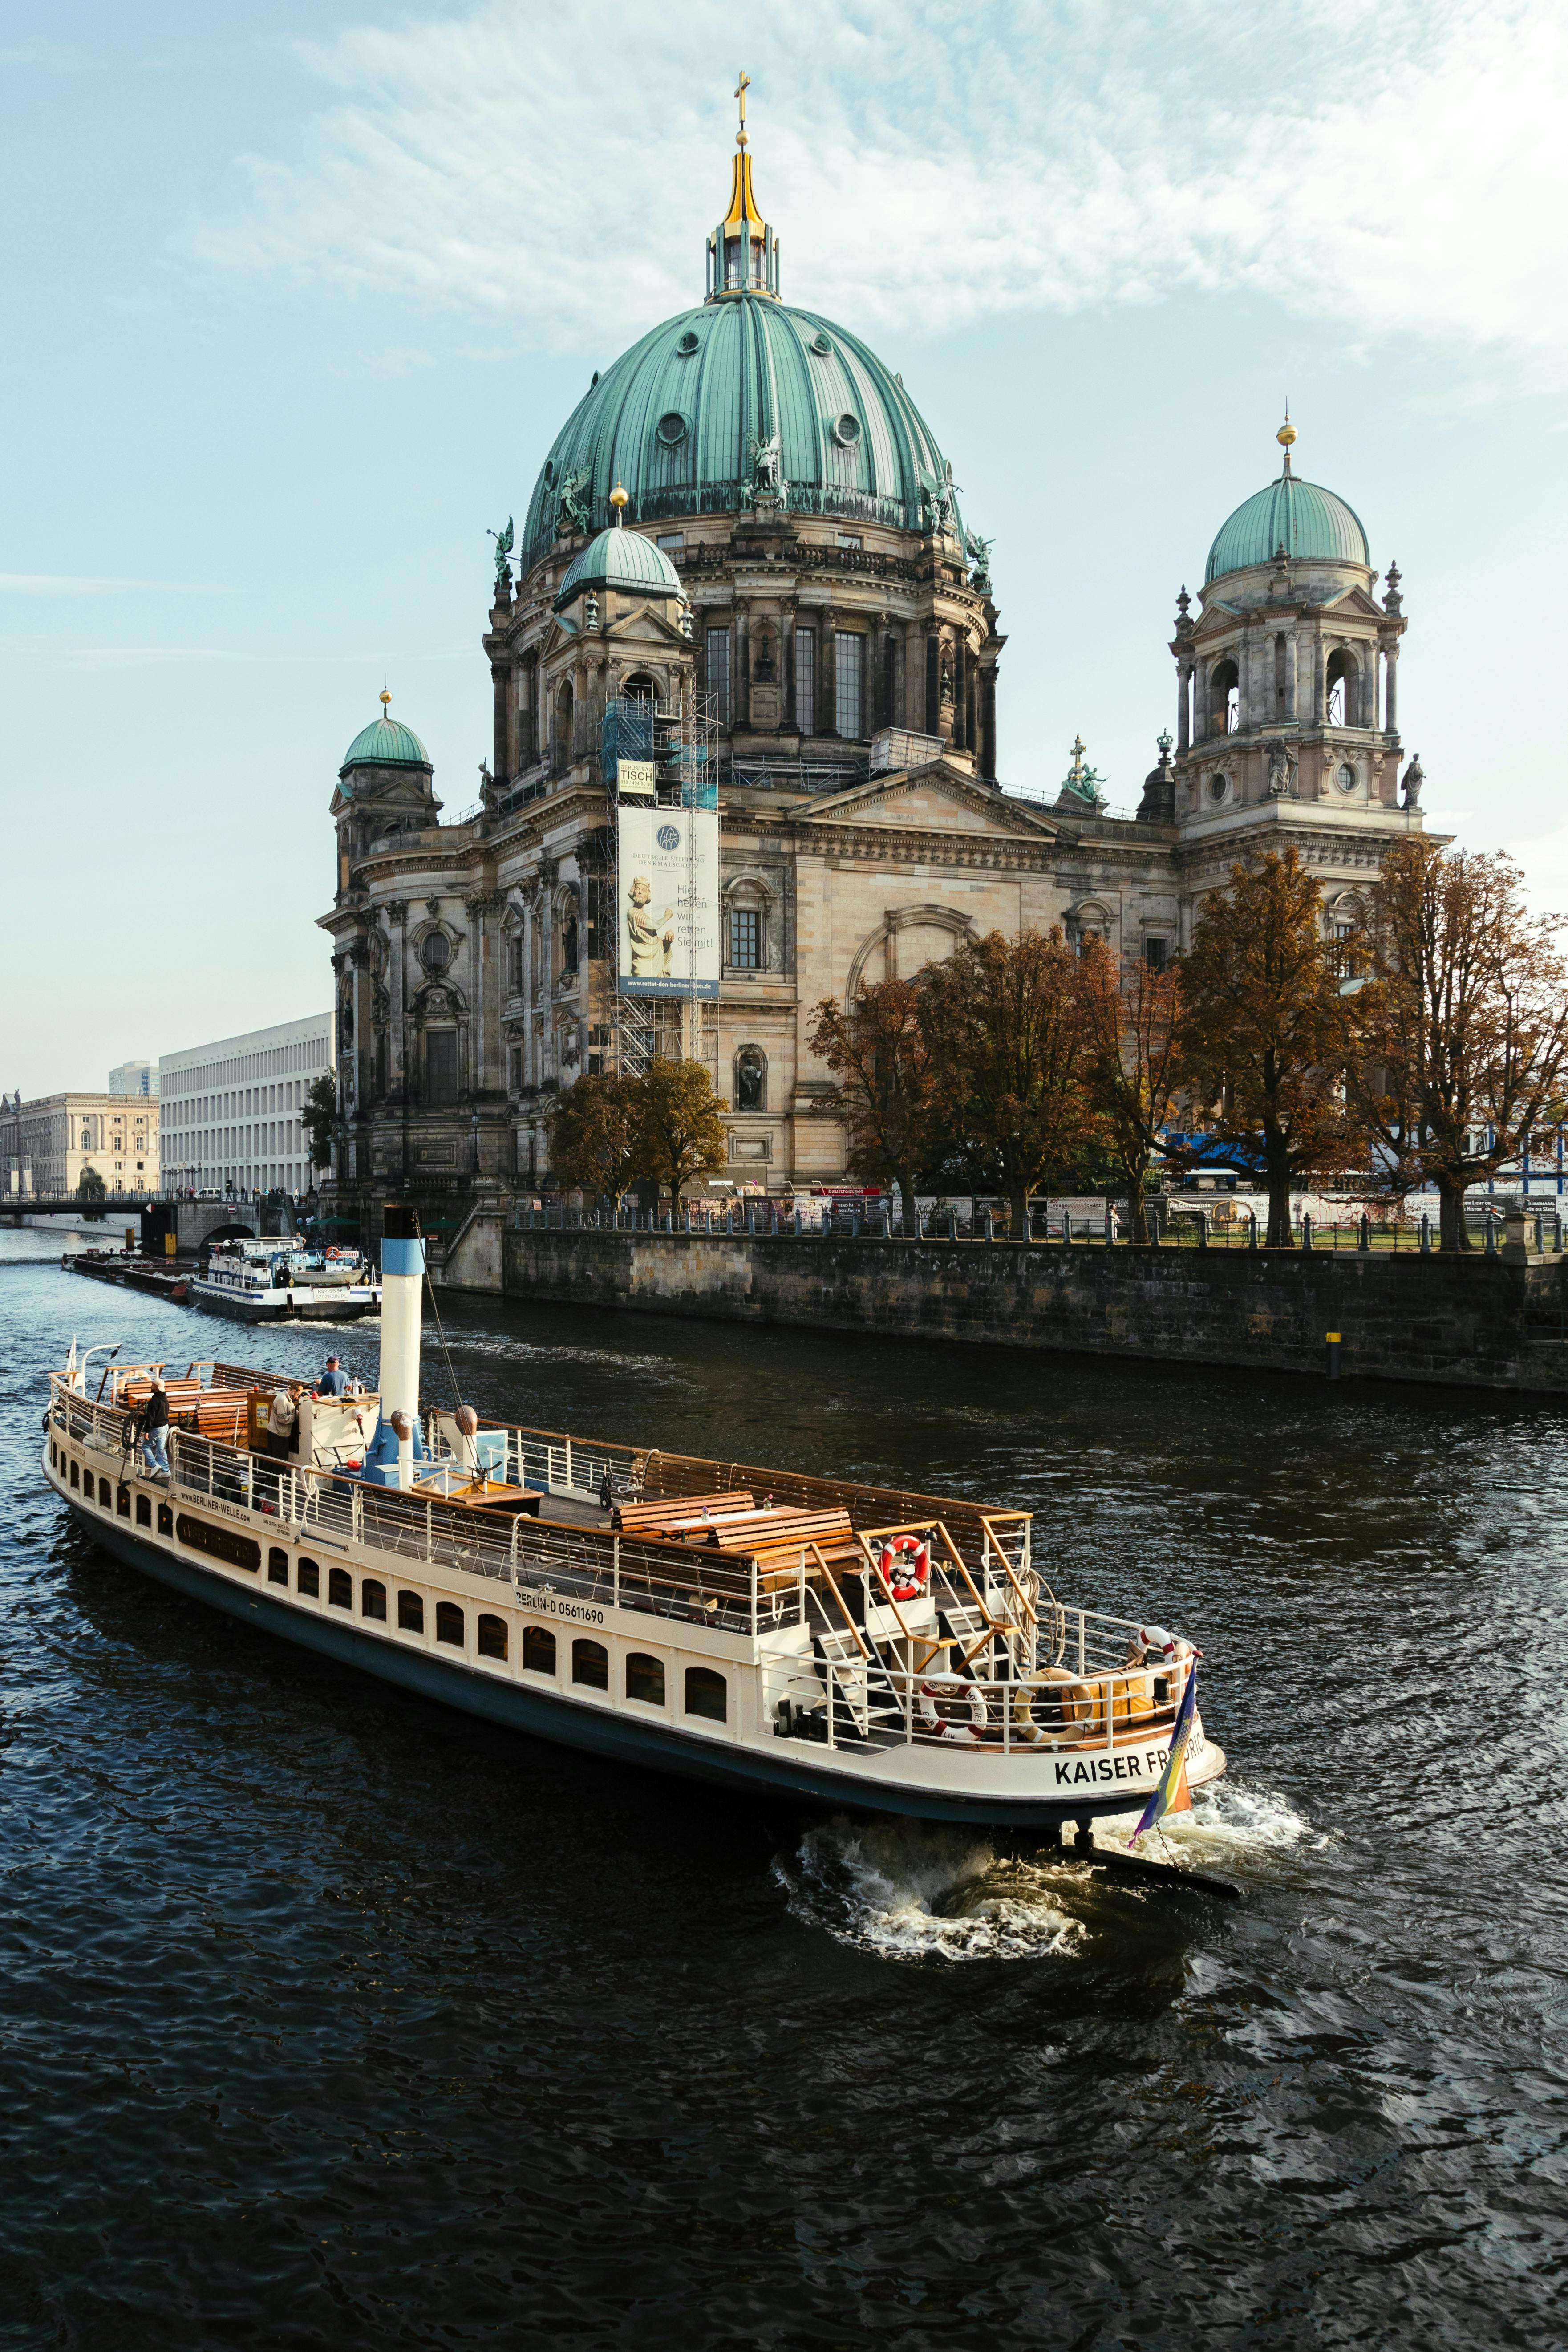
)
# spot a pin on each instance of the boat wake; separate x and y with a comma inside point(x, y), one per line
point(909, 1891)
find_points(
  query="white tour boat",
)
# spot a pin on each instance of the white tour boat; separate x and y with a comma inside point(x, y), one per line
point(284, 1281)
point(878, 1650)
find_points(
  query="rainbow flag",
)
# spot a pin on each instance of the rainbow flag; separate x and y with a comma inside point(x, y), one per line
point(1172, 1795)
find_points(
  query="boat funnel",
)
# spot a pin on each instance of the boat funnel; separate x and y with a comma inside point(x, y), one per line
point(402, 1299)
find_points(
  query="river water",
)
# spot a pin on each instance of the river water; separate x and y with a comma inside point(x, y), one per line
point(331, 2018)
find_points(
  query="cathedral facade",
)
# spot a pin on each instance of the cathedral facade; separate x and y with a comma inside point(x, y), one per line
point(746, 535)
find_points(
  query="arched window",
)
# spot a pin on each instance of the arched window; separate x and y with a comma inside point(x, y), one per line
point(76, 1474)
point(707, 1694)
point(165, 1518)
point(277, 1566)
point(640, 687)
point(373, 1600)
point(745, 928)
point(750, 1078)
point(1280, 673)
point(122, 1502)
point(1225, 699)
point(410, 1613)
point(307, 1579)
point(591, 1664)
point(1343, 682)
point(561, 746)
point(538, 1650)
point(440, 1066)
point(645, 1679)
point(489, 1636)
point(449, 1623)
point(339, 1589)
point(145, 1518)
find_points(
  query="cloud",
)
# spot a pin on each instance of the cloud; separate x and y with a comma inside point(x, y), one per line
point(1393, 172)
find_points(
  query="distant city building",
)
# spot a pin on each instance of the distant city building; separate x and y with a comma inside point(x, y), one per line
point(134, 1078)
point(46, 1147)
point(230, 1112)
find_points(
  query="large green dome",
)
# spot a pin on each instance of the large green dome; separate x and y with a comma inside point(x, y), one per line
point(677, 418)
point(1311, 523)
point(385, 743)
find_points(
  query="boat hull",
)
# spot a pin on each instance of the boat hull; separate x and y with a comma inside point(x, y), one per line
point(616, 1738)
point(329, 1307)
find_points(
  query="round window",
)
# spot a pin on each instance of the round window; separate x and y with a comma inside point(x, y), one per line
point(1218, 787)
point(672, 428)
point(847, 432)
point(821, 346)
point(437, 952)
point(549, 471)
point(686, 344)
point(1346, 778)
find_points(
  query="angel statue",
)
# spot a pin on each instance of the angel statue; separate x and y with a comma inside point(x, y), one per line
point(980, 557)
point(503, 540)
point(938, 496)
point(767, 465)
point(572, 511)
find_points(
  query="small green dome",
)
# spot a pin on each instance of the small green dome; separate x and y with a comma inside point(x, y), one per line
point(1311, 524)
point(620, 559)
point(385, 743)
point(677, 421)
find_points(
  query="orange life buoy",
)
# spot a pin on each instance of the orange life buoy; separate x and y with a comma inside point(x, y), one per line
point(905, 1567)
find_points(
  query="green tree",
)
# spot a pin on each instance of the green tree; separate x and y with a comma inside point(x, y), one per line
point(318, 1118)
point(592, 1128)
point(1004, 1027)
point(1131, 1015)
point(877, 1051)
point(91, 1186)
point(1462, 1027)
point(1264, 1034)
point(676, 1130)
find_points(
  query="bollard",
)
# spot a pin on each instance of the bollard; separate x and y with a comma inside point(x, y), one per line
point(1491, 1236)
point(1252, 1229)
point(1363, 1246)
point(686, 1221)
point(1306, 1229)
point(988, 1231)
point(1333, 1340)
point(953, 1225)
point(798, 1228)
point(1556, 1234)
point(1425, 1234)
point(1067, 1228)
point(1203, 1229)
point(1109, 1227)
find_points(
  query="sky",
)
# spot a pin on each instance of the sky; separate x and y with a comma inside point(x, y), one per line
point(298, 295)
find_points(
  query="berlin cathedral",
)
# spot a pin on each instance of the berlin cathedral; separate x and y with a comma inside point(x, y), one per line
point(746, 518)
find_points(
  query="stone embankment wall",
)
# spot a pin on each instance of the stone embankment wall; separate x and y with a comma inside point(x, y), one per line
point(1473, 1321)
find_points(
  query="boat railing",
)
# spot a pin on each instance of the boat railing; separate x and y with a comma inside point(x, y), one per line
point(862, 1703)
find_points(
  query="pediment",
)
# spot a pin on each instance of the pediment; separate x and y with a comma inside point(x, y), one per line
point(1356, 600)
point(934, 799)
point(647, 627)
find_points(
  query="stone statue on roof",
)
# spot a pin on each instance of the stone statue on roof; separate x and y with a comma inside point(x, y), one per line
point(979, 552)
point(572, 507)
point(504, 542)
point(767, 468)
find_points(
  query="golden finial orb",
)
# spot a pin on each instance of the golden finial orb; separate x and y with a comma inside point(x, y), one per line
point(1286, 434)
point(619, 498)
point(386, 697)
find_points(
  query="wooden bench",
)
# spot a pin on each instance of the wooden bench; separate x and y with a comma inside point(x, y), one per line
point(673, 1515)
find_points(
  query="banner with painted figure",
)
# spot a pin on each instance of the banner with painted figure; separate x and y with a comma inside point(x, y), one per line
point(668, 901)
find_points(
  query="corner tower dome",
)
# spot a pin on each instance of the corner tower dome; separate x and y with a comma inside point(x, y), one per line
point(385, 743)
point(623, 560)
point(1311, 524)
point(740, 392)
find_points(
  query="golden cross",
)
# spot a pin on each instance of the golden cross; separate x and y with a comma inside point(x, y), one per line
point(742, 86)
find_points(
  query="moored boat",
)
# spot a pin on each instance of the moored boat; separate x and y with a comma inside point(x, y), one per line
point(886, 1651)
point(286, 1281)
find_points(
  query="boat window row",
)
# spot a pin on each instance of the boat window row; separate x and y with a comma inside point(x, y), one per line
point(705, 1690)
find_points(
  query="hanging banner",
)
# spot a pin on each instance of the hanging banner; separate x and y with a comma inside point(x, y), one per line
point(668, 901)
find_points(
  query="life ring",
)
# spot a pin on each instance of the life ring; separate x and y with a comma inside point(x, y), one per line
point(1064, 1701)
point(905, 1566)
point(935, 1726)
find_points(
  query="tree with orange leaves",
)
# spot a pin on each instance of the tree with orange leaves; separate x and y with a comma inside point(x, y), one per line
point(1463, 1024)
point(877, 1050)
point(1264, 1032)
point(1131, 1013)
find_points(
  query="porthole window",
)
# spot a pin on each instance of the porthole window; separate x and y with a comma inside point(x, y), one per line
point(672, 428)
point(410, 1613)
point(706, 1692)
point(373, 1600)
point(645, 1679)
point(821, 346)
point(591, 1664)
point(1218, 787)
point(847, 432)
point(538, 1650)
point(1346, 778)
point(688, 344)
point(549, 471)
point(489, 1636)
point(307, 1579)
point(339, 1589)
point(437, 952)
point(449, 1623)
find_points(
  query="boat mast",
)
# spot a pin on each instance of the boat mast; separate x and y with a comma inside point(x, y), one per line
point(401, 1298)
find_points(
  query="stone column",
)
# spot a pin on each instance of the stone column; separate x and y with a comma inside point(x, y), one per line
point(827, 673)
point(502, 684)
point(1391, 690)
point(988, 722)
point(914, 717)
point(1290, 674)
point(397, 985)
point(1183, 706)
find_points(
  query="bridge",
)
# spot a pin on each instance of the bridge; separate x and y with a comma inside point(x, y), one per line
point(191, 1223)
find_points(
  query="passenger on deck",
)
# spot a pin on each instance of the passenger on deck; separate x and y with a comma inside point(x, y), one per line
point(156, 1432)
point(334, 1381)
point(283, 1434)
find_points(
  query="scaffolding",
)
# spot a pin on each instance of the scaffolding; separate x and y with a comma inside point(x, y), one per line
point(681, 745)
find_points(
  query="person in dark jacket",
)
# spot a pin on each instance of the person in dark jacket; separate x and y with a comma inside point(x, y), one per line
point(156, 1432)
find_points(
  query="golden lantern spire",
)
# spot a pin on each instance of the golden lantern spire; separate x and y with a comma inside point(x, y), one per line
point(742, 86)
point(743, 252)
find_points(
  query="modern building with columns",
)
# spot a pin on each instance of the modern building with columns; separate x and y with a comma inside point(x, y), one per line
point(747, 518)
